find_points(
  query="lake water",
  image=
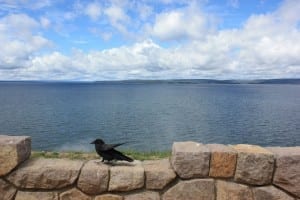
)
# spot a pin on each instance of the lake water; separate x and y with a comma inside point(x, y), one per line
point(150, 116)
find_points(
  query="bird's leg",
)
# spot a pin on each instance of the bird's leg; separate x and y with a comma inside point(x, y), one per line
point(102, 160)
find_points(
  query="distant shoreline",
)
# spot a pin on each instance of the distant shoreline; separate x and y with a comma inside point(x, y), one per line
point(169, 81)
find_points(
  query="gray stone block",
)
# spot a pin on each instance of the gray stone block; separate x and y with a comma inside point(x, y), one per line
point(232, 191)
point(46, 173)
point(255, 165)
point(126, 178)
point(197, 189)
point(158, 173)
point(148, 195)
point(94, 177)
point(109, 197)
point(74, 194)
point(287, 171)
point(190, 159)
point(36, 195)
point(13, 151)
point(270, 193)
point(7, 191)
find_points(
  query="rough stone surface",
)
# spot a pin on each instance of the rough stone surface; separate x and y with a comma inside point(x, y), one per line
point(197, 189)
point(222, 161)
point(158, 173)
point(13, 151)
point(36, 196)
point(126, 178)
point(93, 178)
point(287, 172)
point(143, 196)
point(254, 165)
point(74, 194)
point(7, 191)
point(190, 159)
point(109, 197)
point(232, 191)
point(46, 173)
point(270, 193)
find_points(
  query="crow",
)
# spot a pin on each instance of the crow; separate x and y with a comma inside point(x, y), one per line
point(107, 151)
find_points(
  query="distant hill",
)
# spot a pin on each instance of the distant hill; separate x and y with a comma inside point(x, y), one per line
point(277, 81)
point(211, 81)
point(169, 81)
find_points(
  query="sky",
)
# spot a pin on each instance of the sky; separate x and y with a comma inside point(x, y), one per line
point(96, 40)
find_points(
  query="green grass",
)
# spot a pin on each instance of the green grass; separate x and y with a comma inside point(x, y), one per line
point(152, 155)
point(75, 155)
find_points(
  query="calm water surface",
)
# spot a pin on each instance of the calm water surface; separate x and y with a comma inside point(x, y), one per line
point(68, 116)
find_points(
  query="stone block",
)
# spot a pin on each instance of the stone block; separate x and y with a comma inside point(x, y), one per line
point(13, 151)
point(148, 195)
point(46, 173)
point(232, 191)
point(109, 197)
point(287, 169)
point(94, 177)
point(190, 159)
point(255, 165)
point(36, 195)
point(126, 178)
point(158, 173)
point(74, 194)
point(197, 189)
point(270, 193)
point(222, 161)
point(7, 191)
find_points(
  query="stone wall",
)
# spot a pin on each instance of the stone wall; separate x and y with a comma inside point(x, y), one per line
point(194, 172)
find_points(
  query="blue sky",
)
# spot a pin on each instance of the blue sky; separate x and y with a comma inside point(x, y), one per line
point(149, 39)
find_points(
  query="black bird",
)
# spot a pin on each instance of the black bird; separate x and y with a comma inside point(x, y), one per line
point(107, 151)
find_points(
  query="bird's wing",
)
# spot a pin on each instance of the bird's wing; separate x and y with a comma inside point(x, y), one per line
point(119, 156)
point(107, 147)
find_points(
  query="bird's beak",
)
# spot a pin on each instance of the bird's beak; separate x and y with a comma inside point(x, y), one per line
point(92, 142)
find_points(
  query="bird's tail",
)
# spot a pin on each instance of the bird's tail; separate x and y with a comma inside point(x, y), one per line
point(119, 156)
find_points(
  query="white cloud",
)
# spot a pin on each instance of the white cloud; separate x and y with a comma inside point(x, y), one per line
point(93, 10)
point(266, 46)
point(28, 4)
point(186, 23)
point(118, 18)
point(18, 24)
point(115, 14)
point(45, 22)
point(144, 11)
point(19, 41)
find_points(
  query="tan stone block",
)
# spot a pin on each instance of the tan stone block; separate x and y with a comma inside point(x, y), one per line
point(36, 195)
point(270, 193)
point(13, 151)
point(148, 195)
point(255, 165)
point(287, 170)
point(74, 194)
point(94, 177)
point(197, 189)
point(190, 159)
point(232, 191)
point(222, 161)
point(46, 173)
point(7, 191)
point(109, 197)
point(158, 173)
point(126, 178)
